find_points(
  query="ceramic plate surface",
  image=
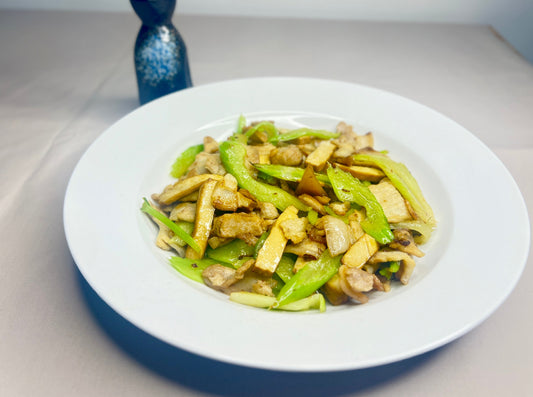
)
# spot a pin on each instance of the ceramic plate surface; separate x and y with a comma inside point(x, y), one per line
point(459, 283)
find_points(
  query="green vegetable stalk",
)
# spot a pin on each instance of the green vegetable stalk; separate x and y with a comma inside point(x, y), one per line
point(184, 160)
point(308, 279)
point(191, 268)
point(349, 188)
point(266, 126)
point(178, 231)
point(302, 132)
point(315, 301)
point(231, 252)
point(286, 173)
point(233, 154)
point(284, 269)
point(404, 181)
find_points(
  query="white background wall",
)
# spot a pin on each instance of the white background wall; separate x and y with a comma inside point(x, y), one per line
point(513, 19)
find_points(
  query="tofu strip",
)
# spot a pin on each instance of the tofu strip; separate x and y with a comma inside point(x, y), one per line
point(270, 253)
point(360, 252)
point(184, 187)
point(204, 219)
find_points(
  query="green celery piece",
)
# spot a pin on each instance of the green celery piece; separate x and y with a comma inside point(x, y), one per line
point(312, 217)
point(403, 180)
point(191, 268)
point(390, 269)
point(301, 132)
point(233, 154)
point(188, 227)
point(184, 160)
point(315, 301)
point(284, 269)
point(230, 252)
point(260, 243)
point(239, 262)
point(309, 279)
point(267, 126)
point(291, 174)
point(178, 231)
point(349, 188)
point(278, 285)
point(241, 123)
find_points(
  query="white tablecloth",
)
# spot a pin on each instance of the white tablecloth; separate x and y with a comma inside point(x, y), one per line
point(66, 77)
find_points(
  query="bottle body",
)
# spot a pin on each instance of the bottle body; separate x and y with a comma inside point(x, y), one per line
point(160, 56)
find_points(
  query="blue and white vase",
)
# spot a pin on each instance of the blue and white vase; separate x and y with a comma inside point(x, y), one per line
point(161, 62)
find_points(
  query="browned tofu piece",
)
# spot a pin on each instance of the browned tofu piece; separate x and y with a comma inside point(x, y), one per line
point(363, 173)
point(204, 219)
point(391, 201)
point(270, 253)
point(182, 188)
point(320, 156)
point(360, 252)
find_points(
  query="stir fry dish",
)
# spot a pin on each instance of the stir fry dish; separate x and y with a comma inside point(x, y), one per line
point(287, 219)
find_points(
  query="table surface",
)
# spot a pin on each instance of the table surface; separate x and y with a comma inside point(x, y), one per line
point(66, 77)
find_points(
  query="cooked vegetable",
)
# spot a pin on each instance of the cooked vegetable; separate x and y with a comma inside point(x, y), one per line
point(404, 181)
point(301, 132)
point(271, 217)
point(315, 301)
point(173, 193)
point(191, 268)
point(347, 188)
point(178, 231)
point(232, 154)
point(184, 160)
point(310, 278)
point(231, 252)
point(286, 173)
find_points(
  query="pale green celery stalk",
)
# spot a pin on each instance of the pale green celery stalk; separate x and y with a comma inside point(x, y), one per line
point(349, 188)
point(301, 132)
point(188, 227)
point(267, 126)
point(284, 269)
point(230, 252)
point(312, 217)
point(309, 279)
point(178, 231)
point(232, 155)
point(315, 301)
point(191, 268)
point(184, 160)
point(403, 180)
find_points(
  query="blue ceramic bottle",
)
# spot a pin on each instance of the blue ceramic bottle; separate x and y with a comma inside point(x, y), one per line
point(161, 62)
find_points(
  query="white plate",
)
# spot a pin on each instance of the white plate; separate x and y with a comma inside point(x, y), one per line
point(473, 261)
